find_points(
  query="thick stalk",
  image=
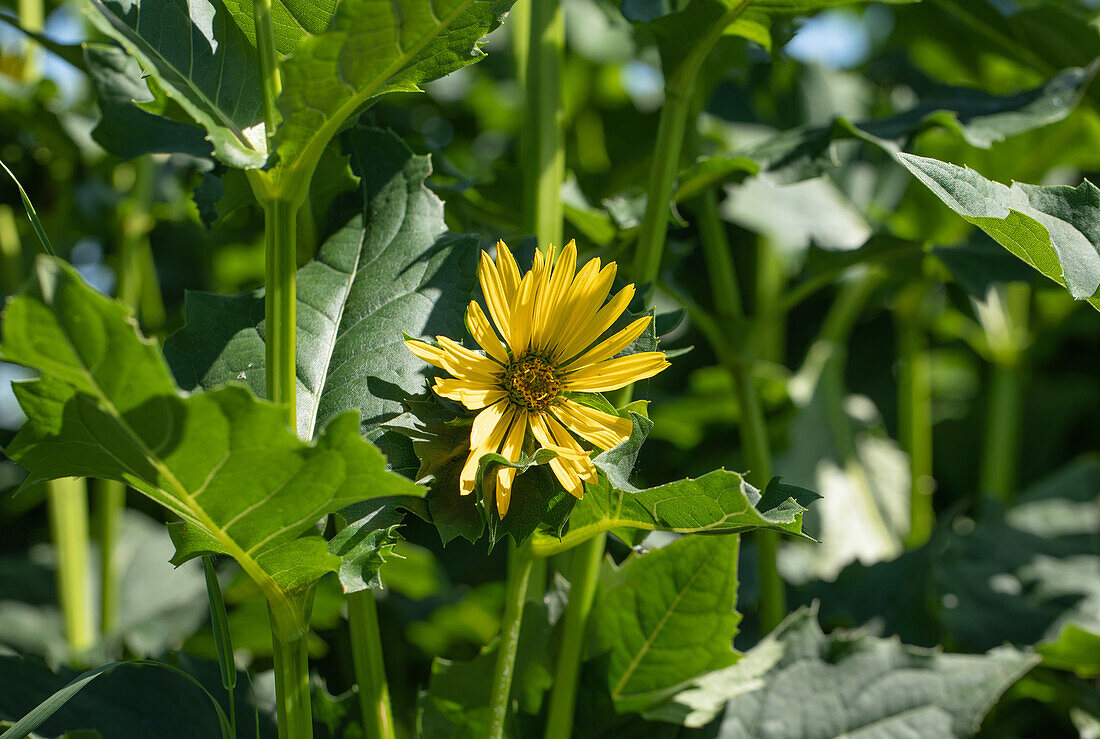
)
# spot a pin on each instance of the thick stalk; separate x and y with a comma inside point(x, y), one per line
point(279, 304)
point(543, 137)
point(67, 502)
point(519, 22)
point(293, 706)
point(915, 415)
point(753, 425)
point(110, 506)
point(1007, 329)
point(269, 63)
point(583, 577)
point(370, 671)
point(662, 178)
point(519, 572)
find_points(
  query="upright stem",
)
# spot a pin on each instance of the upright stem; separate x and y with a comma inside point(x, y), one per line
point(279, 304)
point(269, 63)
point(915, 414)
point(519, 572)
point(519, 23)
point(370, 671)
point(754, 430)
point(293, 706)
point(583, 577)
point(67, 503)
point(662, 178)
point(110, 505)
point(1007, 329)
point(543, 142)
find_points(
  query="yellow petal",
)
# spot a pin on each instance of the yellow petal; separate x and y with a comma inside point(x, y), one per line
point(513, 443)
point(584, 300)
point(482, 331)
point(486, 423)
point(498, 301)
point(610, 346)
point(564, 467)
point(474, 396)
point(596, 323)
point(612, 374)
point(602, 429)
point(508, 270)
point(523, 312)
point(464, 363)
point(548, 310)
point(490, 443)
point(433, 355)
point(582, 465)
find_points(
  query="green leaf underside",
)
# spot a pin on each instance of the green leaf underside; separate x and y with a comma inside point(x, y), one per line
point(394, 269)
point(292, 20)
point(979, 118)
point(1054, 229)
point(666, 617)
point(370, 48)
point(106, 407)
point(196, 53)
point(800, 683)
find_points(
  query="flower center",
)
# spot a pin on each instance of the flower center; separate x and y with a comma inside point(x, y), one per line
point(530, 382)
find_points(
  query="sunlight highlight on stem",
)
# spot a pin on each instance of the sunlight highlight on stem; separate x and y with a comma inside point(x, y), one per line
point(370, 672)
point(67, 500)
point(519, 572)
point(543, 135)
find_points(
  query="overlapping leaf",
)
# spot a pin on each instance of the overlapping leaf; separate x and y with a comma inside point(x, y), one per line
point(223, 461)
point(199, 58)
point(1054, 229)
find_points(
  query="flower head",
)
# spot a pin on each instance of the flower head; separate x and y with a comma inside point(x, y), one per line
point(546, 322)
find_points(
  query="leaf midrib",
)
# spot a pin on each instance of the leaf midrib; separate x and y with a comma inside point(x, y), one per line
point(644, 649)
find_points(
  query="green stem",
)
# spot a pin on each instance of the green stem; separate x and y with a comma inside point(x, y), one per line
point(543, 143)
point(583, 577)
point(771, 288)
point(915, 415)
point(753, 425)
point(32, 16)
point(1007, 383)
point(11, 251)
point(519, 572)
point(110, 505)
point(370, 670)
point(519, 22)
point(269, 64)
point(67, 502)
point(279, 303)
point(666, 163)
point(293, 706)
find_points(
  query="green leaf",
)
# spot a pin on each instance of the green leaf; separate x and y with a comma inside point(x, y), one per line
point(393, 269)
point(978, 117)
point(1055, 229)
point(293, 20)
point(717, 502)
point(852, 684)
point(124, 128)
point(368, 540)
point(371, 47)
point(538, 501)
point(666, 617)
point(1076, 650)
point(198, 56)
point(222, 461)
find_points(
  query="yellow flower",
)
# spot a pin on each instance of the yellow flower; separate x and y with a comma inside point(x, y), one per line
point(548, 320)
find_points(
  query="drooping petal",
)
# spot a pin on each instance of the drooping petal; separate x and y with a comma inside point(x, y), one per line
point(582, 464)
point(490, 443)
point(602, 429)
point(433, 355)
point(564, 466)
point(610, 346)
point(513, 443)
point(612, 374)
point(482, 331)
point(486, 423)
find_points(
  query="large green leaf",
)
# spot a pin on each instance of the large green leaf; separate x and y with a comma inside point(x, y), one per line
point(393, 269)
point(292, 20)
point(717, 502)
point(847, 684)
point(197, 55)
point(666, 617)
point(371, 47)
point(1054, 229)
point(223, 461)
